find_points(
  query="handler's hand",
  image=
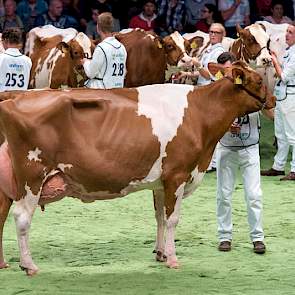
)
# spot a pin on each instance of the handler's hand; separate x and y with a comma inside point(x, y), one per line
point(235, 128)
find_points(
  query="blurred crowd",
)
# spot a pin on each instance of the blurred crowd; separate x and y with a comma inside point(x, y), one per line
point(162, 16)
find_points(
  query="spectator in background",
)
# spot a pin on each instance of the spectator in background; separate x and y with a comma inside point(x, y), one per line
point(55, 17)
point(277, 17)
point(70, 8)
point(28, 10)
point(10, 19)
point(193, 13)
point(146, 19)
point(170, 17)
point(91, 30)
point(234, 12)
point(2, 10)
point(210, 15)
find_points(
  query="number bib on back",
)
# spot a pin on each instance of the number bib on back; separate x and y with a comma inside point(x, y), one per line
point(115, 71)
point(15, 70)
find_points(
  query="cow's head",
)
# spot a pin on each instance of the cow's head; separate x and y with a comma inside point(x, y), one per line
point(177, 49)
point(250, 81)
point(245, 78)
point(77, 49)
point(195, 44)
point(255, 45)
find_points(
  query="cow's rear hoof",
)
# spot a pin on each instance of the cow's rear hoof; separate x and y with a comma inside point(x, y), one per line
point(29, 272)
point(173, 264)
point(3, 265)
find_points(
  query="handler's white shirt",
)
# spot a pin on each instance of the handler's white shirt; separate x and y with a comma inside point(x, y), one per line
point(107, 68)
point(14, 70)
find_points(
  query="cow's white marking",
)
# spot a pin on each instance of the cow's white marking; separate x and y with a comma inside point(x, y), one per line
point(126, 31)
point(259, 34)
point(44, 70)
point(166, 113)
point(179, 41)
point(171, 223)
point(196, 179)
point(84, 42)
point(48, 31)
point(63, 166)
point(34, 155)
point(262, 38)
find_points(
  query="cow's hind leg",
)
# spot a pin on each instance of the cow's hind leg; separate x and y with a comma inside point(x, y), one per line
point(174, 191)
point(159, 214)
point(23, 213)
point(5, 204)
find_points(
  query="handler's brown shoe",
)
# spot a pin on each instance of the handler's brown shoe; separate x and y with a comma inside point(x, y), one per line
point(224, 246)
point(271, 172)
point(259, 247)
point(290, 176)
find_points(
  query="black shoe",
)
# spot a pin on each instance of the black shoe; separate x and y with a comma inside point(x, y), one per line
point(259, 247)
point(272, 172)
point(224, 246)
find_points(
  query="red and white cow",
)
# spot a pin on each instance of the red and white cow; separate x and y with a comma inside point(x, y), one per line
point(199, 41)
point(69, 143)
point(148, 55)
point(56, 55)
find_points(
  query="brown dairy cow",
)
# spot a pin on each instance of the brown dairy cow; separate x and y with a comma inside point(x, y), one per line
point(56, 55)
point(69, 143)
point(148, 55)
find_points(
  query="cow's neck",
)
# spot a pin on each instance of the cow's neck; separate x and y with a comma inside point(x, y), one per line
point(217, 106)
point(238, 49)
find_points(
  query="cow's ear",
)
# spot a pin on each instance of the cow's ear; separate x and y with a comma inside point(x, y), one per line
point(63, 47)
point(238, 76)
point(216, 70)
point(240, 31)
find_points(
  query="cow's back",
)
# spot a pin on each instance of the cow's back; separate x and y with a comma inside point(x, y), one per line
point(146, 62)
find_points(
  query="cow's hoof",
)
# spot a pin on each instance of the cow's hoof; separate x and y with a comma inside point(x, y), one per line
point(173, 264)
point(29, 271)
point(161, 257)
point(3, 265)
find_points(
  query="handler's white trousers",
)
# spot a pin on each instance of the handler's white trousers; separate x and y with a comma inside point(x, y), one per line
point(285, 132)
point(228, 162)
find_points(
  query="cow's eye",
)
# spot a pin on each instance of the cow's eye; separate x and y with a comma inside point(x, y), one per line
point(169, 46)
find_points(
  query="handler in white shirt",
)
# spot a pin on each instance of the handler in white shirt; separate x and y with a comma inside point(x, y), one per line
point(285, 109)
point(216, 34)
point(107, 68)
point(14, 66)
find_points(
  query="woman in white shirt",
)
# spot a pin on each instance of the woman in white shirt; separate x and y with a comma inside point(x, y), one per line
point(216, 34)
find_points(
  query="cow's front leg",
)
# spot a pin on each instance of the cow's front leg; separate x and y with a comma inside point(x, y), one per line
point(172, 203)
point(5, 204)
point(159, 214)
point(23, 213)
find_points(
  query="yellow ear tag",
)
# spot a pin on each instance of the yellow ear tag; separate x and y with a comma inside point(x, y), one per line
point(218, 75)
point(194, 45)
point(160, 45)
point(238, 80)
